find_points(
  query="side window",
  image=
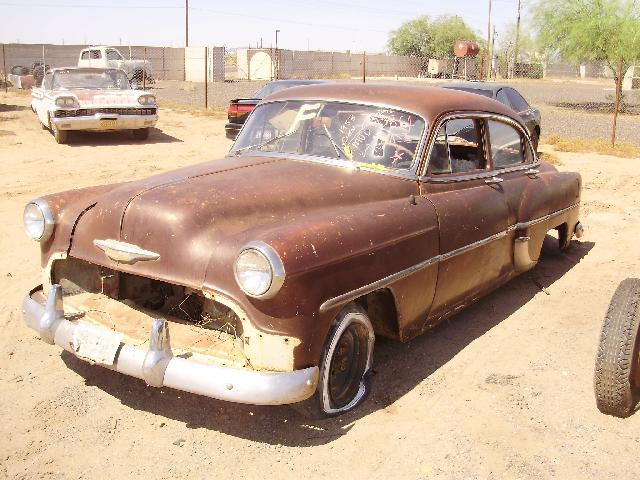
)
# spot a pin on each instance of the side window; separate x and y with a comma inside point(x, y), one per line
point(85, 55)
point(508, 147)
point(457, 147)
point(96, 54)
point(48, 81)
point(113, 55)
point(519, 103)
point(501, 96)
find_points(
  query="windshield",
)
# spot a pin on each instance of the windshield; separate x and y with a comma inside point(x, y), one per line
point(368, 136)
point(108, 79)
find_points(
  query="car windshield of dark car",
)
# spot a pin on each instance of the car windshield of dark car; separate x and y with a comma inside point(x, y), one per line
point(368, 136)
point(274, 87)
point(477, 91)
point(107, 79)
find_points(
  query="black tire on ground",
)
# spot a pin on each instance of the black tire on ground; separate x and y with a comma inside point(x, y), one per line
point(345, 366)
point(140, 133)
point(61, 136)
point(616, 381)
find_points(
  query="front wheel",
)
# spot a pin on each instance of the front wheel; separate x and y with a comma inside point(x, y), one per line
point(61, 136)
point(345, 366)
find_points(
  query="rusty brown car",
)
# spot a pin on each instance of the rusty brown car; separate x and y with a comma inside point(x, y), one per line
point(341, 213)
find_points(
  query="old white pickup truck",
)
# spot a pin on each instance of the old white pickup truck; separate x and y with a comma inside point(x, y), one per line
point(109, 57)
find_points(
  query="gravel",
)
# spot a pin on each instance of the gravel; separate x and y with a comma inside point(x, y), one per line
point(578, 109)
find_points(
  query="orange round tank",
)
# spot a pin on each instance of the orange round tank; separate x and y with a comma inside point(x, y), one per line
point(465, 48)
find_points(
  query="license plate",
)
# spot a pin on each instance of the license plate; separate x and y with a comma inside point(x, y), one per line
point(108, 122)
point(96, 344)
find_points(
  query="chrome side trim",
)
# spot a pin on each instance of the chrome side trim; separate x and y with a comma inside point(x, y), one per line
point(525, 225)
point(125, 252)
point(384, 282)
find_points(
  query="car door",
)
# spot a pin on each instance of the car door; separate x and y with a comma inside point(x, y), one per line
point(525, 191)
point(39, 100)
point(472, 213)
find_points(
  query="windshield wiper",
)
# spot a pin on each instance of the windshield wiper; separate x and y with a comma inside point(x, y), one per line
point(339, 151)
point(258, 146)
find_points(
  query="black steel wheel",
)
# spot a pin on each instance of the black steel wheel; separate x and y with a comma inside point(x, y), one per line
point(345, 366)
point(617, 372)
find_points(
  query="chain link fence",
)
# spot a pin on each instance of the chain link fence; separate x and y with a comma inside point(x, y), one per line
point(574, 99)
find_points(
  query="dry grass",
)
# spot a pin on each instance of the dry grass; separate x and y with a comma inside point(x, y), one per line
point(218, 113)
point(549, 157)
point(603, 147)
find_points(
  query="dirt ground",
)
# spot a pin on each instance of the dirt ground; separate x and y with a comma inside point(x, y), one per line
point(503, 390)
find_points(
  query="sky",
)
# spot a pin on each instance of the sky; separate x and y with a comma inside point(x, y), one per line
point(330, 25)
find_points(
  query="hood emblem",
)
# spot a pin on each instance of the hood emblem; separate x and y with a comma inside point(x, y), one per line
point(124, 252)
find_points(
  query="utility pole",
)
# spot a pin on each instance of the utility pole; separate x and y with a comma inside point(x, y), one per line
point(515, 48)
point(489, 40)
point(186, 23)
point(277, 72)
point(493, 49)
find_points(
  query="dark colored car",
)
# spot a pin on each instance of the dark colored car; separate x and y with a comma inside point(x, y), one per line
point(508, 96)
point(240, 108)
point(343, 212)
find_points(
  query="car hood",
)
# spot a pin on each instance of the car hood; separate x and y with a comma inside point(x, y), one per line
point(202, 215)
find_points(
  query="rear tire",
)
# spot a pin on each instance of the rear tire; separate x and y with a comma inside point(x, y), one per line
point(344, 380)
point(140, 133)
point(616, 382)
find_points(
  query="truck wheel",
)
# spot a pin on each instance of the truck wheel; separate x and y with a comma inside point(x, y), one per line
point(617, 372)
point(140, 133)
point(345, 366)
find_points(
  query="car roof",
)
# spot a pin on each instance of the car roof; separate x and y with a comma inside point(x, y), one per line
point(428, 102)
point(301, 82)
point(489, 86)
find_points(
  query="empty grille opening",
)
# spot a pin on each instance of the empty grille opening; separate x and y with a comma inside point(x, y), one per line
point(166, 300)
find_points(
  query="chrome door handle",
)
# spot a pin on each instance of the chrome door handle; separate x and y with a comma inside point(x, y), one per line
point(532, 172)
point(492, 180)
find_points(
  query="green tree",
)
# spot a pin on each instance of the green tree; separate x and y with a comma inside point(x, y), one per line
point(430, 38)
point(605, 30)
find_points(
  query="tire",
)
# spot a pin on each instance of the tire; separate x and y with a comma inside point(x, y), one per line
point(61, 136)
point(140, 133)
point(616, 375)
point(345, 366)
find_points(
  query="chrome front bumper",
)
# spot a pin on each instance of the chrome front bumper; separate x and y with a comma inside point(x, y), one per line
point(105, 121)
point(158, 367)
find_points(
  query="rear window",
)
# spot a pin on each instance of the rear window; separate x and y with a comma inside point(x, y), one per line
point(96, 54)
point(517, 101)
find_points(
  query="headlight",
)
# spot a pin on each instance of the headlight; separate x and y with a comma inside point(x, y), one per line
point(38, 220)
point(147, 100)
point(66, 102)
point(258, 270)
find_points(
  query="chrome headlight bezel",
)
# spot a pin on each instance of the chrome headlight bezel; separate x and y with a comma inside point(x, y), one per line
point(66, 102)
point(147, 100)
point(275, 264)
point(41, 208)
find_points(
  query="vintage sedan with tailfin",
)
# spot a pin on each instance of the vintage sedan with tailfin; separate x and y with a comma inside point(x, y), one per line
point(96, 99)
point(342, 213)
